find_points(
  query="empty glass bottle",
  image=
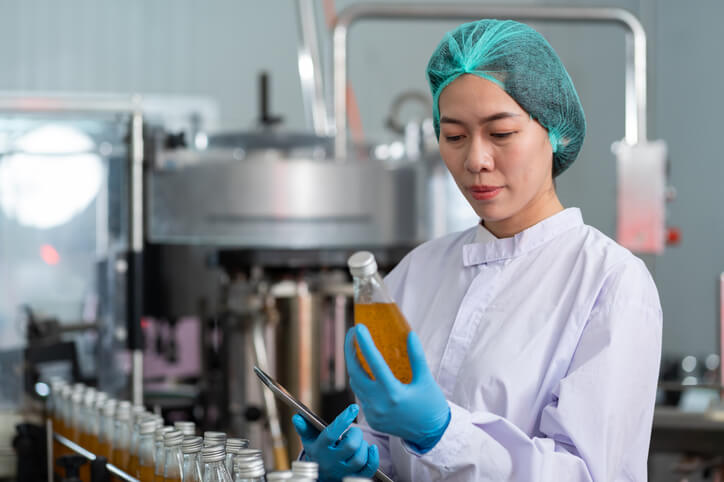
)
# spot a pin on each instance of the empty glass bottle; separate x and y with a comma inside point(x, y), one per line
point(233, 445)
point(159, 457)
point(121, 435)
point(214, 467)
point(187, 428)
point(146, 451)
point(247, 469)
point(173, 465)
point(191, 449)
point(105, 436)
point(248, 464)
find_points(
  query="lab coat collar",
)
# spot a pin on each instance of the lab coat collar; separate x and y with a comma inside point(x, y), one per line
point(487, 248)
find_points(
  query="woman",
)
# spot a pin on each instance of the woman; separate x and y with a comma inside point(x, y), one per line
point(538, 338)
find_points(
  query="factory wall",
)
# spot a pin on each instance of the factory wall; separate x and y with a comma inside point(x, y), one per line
point(217, 47)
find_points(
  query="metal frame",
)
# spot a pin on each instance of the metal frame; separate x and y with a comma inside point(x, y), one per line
point(136, 228)
point(635, 97)
point(310, 72)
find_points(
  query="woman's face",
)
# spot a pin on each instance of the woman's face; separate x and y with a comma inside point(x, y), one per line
point(500, 157)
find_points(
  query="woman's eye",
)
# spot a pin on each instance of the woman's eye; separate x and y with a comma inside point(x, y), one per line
point(453, 138)
point(502, 135)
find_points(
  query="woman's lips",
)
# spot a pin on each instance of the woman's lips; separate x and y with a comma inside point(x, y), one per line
point(484, 193)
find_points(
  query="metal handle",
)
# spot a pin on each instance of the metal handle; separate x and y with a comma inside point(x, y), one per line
point(635, 97)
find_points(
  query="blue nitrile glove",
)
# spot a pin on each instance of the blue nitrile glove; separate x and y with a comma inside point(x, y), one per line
point(416, 412)
point(338, 453)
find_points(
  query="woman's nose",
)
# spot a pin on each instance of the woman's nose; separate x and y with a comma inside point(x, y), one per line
point(479, 157)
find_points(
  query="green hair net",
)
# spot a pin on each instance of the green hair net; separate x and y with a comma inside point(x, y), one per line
point(519, 60)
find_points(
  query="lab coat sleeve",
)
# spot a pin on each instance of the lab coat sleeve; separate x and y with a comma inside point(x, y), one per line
point(598, 424)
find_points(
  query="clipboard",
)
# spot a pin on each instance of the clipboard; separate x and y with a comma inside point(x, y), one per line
point(282, 394)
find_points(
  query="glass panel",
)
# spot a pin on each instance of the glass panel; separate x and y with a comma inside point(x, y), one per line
point(62, 216)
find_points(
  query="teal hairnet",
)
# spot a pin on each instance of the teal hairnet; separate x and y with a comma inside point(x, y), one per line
point(519, 60)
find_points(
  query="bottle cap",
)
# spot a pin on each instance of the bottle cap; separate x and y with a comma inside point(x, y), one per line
point(147, 426)
point(215, 453)
point(214, 438)
point(309, 470)
point(188, 428)
point(362, 263)
point(123, 410)
point(192, 445)
point(173, 438)
point(109, 407)
point(159, 433)
point(233, 445)
point(248, 468)
point(279, 475)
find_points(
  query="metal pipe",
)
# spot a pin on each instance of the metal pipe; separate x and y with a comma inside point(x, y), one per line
point(49, 448)
point(721, 332)
point(136, 247)
point(310, 72)
point(53, 104)
point(635, 96)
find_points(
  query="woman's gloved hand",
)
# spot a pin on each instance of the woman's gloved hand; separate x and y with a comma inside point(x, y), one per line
point(416, 412)
point(338, 453)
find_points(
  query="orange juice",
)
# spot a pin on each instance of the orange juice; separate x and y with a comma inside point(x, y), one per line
point(389, 330)
point(133, 465)
point(172, 479)
point(120, 458)
point(104, 450)
point(145, 474)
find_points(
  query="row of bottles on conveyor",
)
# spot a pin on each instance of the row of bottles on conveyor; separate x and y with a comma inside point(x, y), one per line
point(137, 442)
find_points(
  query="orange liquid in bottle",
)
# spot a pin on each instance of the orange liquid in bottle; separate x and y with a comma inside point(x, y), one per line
point(389, 330)
point(172, 479)
point(104, 449)
point(158, 478)
point(133, 465)
point(120, 458)
point(145, 474)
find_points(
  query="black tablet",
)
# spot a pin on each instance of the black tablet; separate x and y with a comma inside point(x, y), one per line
point(282, 394)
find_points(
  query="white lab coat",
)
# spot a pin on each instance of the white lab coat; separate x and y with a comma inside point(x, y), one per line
point(547, 348)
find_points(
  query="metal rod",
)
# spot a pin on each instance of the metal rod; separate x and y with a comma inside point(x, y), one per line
point(137, 377)
point(310, 72)
point(91, 456)
point(49, 448)
point(136, 246)
point(635, 95)
point(721, 332)
point(281, 460)
point(55, 104)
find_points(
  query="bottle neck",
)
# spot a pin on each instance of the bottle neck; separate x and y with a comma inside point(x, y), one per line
point(371, 289)
point(173, 462)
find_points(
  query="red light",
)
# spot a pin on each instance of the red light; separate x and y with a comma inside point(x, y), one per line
point(49, 254)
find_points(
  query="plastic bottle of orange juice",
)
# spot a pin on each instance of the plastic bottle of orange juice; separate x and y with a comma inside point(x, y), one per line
point(374, 308)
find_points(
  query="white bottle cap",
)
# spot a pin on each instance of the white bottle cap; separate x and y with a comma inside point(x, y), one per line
point(362, 263)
